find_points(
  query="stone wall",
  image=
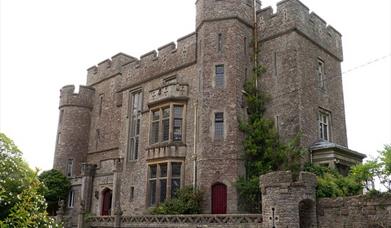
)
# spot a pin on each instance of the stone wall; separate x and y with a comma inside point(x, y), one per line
point(357, 211)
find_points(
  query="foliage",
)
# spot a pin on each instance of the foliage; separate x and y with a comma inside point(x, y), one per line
point(21, 201)
point(379, 168)
point(249, 194)
point(187, 201)
point(331, 183)
point(263, 150)
point(57, 187)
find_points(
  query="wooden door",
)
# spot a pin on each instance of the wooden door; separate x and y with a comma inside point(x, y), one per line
point(219, 198)
point(106, 201)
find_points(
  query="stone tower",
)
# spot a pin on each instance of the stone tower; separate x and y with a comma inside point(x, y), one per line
point(224, 33)
point(73, 129)
point(287, 202)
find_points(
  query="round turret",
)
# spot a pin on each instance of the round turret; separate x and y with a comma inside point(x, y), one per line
point(73, 129)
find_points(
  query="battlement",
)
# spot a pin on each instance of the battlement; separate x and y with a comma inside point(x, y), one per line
point(84, 98)
point(294, 15)
point(108, 68)
point(154, 63)
point(285, 179)
point(228, 9)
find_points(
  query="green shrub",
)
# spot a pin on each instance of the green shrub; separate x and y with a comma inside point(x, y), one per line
point(187, 201)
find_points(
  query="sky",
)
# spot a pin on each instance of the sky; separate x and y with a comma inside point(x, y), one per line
point(46, 44)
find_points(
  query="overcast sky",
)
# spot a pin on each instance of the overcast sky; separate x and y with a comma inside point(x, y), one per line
point(46, 44)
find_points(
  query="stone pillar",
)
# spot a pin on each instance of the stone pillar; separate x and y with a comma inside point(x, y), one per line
point(287, 202)
point(87, 172)
point(117, 192)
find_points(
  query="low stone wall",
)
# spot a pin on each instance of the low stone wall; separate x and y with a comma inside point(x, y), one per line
point(357, 211)
point(188, 221)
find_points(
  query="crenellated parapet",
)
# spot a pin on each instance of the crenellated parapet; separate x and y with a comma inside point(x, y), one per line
point(241, 10)
point(294, 15)
point(107, 68)
point(84, 98)
point(167, 59)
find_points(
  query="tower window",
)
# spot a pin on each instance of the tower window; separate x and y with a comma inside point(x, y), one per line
point(135, 121)
point(61, 115)
point(100, 104)
point(71, 199)
point(220, 42)
point(58, 138)
point(69, 168)
point(245, 45)
point(219, 125)
point(219, 77)
point(324, 126)
point(321, 74)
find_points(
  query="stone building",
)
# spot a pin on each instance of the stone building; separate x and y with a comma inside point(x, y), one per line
point(142, 128)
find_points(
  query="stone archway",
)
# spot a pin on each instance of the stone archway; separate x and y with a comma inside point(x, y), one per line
point(307, 213)
point(107, 196)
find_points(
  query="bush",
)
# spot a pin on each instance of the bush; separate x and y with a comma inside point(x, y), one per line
point(187, 201)
point(332, 184)
point(57, 187)
point(21, 200)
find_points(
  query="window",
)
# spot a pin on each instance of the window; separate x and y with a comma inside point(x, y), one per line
point(58, 138)
point(71, 199)
point(155, 127)
point(167, 124)
point(100, 104)
point(61, 115)
point(219, 42)
point(324, 126)
point(131, 193)
point(245, 45)
point(152, 184)
point(275, 64)
point(178, 120)
point(219, 125)
point(135, 120)
point(321, 74)
point(69, 168)
point(159, 177)
point(219, 76)
point(175, 177)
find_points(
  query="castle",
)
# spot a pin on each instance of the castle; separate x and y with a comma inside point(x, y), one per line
point(143, 128)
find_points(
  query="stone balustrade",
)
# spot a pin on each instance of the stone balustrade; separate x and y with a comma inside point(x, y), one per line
point(169, 92)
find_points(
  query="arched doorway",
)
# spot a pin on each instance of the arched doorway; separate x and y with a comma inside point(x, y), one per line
point(107, 196)
point(219, 198)
point(307, 213)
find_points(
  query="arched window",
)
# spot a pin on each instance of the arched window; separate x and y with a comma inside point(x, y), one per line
point(107, 195)
point(219, 198)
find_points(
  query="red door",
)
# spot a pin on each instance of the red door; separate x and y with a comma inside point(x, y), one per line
point(106, 202)
point(219, 198)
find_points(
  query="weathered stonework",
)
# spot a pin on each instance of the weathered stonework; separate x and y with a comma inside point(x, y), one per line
point(95, 124)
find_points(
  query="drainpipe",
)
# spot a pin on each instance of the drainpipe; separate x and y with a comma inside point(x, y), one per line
point(255, 31)
point(195, 147)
